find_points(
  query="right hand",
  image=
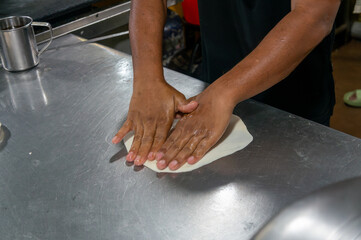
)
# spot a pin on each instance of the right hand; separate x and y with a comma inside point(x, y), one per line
point(152, 109)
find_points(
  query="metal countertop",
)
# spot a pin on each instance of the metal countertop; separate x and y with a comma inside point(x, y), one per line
point(61, 178)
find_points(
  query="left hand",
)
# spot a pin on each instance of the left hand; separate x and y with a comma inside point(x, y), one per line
point(196, 132)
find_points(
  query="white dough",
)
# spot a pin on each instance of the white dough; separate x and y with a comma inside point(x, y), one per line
point(235, 138)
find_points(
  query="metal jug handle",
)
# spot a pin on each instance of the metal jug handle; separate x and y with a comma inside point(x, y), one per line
point(44, 24)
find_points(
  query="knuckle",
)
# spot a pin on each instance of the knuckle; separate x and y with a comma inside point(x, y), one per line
point(184, 153)
point(193, 144)
point(186, 150)
point(147, 139)
point(209, 133)
point(127, 123)
point(149, 120)
point(202, 146)
point(156, 145)
point(137, 137)
point(162, 150)
point(165, 147)
point(200, 132)
point(138, 130)
point(198, 153)
point(187, 131)
point(170, 141)
point(159, 138)
point(177, 148)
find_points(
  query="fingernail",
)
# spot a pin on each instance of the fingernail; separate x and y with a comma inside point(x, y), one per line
point(161, 164)
point(151, 156)
point(173, 164)
point(159, 156)
point(130, 156)
point(137, 160)
point(190, 160)
point(115, 139)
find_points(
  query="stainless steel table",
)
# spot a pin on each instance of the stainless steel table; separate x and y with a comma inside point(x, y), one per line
point(61, 178)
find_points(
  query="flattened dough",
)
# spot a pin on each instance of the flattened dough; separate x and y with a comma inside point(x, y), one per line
point(235, 138)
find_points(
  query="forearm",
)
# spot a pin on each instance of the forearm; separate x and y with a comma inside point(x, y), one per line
point(146, 23)
point(286, 45)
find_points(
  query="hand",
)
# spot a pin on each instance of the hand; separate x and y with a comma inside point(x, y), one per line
point(197, 131)
point(151, 112)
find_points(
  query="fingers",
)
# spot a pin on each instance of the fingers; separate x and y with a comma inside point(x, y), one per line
point(181, 158)
point(138, 135)
point(147, 140)
point(145, 144)
point(184, 149)
point(127, 127)
point(190, 155)
point(187, 107)
point(159, 138)
point(201, 150)
point(162, 163)
point(179, 146)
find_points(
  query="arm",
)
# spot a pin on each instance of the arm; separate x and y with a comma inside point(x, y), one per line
point(285, 46)
point(280, 52)
point(154, 102)
point(146, 23)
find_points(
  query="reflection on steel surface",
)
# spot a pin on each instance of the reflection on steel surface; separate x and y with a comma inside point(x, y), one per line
point(330, 213)
point(26, 90)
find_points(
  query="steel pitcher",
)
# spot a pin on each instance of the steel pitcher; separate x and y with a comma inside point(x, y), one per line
point(18, 47)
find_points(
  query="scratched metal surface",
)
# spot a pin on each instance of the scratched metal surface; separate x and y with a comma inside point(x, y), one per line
point(61, 178)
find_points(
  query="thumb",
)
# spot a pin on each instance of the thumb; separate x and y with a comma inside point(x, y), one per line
point(187, 106)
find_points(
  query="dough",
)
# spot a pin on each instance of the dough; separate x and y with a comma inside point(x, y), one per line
point(235, 138)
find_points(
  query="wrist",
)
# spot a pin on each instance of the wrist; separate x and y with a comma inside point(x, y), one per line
point(144, 75)
point(150, 82)
point(147, 68)
point(226, 92)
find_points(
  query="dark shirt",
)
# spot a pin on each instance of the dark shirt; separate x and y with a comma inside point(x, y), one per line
point(231, 29)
